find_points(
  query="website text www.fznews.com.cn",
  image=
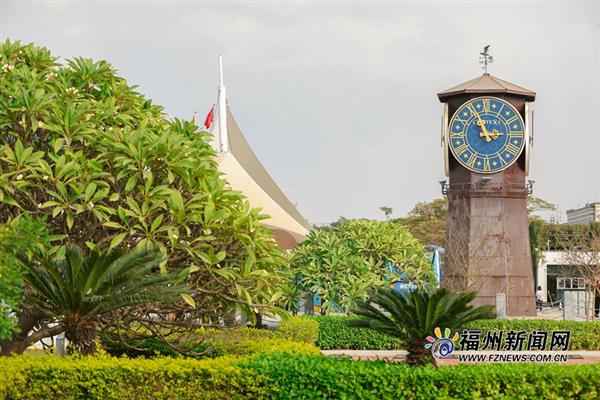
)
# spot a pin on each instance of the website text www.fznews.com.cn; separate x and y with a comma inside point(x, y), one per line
point(510, 357)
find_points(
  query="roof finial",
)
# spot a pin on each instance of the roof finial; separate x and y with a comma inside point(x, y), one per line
point(485, 59)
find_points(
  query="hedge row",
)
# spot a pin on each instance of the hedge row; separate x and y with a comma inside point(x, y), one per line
point(285, 376)
point(335, 332)
point(310, 377)
point(292, 334)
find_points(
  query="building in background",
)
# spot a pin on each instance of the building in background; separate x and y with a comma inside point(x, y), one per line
point(584, 215)
point(246, 174)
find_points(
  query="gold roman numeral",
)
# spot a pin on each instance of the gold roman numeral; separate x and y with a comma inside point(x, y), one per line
point(460, 149)
point(472, 159)
point(486, 105)
point(511, 148)
point(514, 118)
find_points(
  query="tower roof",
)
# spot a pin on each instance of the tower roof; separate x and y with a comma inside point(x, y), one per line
point(486, 84)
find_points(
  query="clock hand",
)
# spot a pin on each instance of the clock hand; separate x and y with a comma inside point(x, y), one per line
point(495, 134)
point(484, 132)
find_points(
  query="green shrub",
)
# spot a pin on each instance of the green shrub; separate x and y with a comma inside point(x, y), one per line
point(299, 329)
point(111, 378)
point(336, 333)
point(585, 335)
point(310, 377)
point(285, 376)
point(237, 341)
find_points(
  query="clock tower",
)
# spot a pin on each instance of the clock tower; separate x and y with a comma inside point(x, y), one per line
point(486, 137)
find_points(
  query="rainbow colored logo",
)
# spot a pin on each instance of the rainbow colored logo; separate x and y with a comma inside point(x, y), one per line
point(442, 346)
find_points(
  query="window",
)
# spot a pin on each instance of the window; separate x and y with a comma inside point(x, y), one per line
point(570, 283)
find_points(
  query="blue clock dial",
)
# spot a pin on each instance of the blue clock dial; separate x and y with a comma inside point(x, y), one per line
point(486, 135)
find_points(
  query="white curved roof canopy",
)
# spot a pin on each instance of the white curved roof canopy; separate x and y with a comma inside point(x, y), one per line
point(244, 173)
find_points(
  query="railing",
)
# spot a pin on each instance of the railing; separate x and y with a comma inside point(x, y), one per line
point(486, 186)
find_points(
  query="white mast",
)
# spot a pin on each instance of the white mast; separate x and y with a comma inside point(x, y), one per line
point(222, 105)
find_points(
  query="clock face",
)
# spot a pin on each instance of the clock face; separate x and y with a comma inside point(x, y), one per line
point(486, 135)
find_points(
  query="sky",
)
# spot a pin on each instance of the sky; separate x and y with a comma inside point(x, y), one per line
point(338, 99)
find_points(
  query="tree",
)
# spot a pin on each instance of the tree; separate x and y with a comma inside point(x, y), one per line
point(580, 247)
point(428, 221)
point(20, 237)
point(104, 168)
point(387, 211)
point(538, 205)
point(414, 315)
point(340, 264)
point(78, 295)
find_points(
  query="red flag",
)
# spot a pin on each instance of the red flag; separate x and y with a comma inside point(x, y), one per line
point(209, 118)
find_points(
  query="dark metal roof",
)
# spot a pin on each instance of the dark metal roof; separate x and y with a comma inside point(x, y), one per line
point(486, 84)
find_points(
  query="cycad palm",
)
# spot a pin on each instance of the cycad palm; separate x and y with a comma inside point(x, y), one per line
point(77, 292)
point(414, 315)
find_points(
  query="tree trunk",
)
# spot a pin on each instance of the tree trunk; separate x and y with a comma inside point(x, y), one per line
point(309, 308)
point(418, 354)
point(27, 319)
point(259, 321)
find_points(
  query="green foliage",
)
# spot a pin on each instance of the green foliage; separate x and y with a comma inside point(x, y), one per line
point(535, 204)
point(123, 379)
point(78, 293)
point(22, 237)
point(337, 332)
point(310, 377)
point(545, 236)
point(281, 375)
point(427, 221)
point(413, 315)
point(342, 263)
point(340, 332)
point(299, 335)
point(300, 329)
point(585, 335)
point(106, 169)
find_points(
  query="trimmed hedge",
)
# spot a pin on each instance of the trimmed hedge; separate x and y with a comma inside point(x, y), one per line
point(585, 335)
point(119, 378)
point(336, 333)
point(285, 376)
point(310, 377)
point(299, 329)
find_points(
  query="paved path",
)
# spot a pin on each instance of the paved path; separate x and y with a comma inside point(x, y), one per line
point(575, 357)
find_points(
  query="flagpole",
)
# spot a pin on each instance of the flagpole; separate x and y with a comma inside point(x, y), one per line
point(223, 135)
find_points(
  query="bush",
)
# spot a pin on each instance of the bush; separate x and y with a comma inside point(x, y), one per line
point(105, 168)
point(309, 377)
point(299, 329)
point(284, 376)
point(585, 335)
point(111, 378)
point(238, 341)
point(336, 333)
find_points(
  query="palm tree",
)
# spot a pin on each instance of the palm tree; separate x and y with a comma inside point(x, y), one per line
point(78, 292)
point(414, 315)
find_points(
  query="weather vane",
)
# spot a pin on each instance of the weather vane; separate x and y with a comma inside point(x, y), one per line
point(485, 58)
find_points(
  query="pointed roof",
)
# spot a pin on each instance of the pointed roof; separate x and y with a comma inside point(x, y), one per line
point(487, 84)
point(245, 173)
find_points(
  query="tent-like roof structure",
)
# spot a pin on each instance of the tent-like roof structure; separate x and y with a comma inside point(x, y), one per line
point(245, 173)
point(487, 83)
